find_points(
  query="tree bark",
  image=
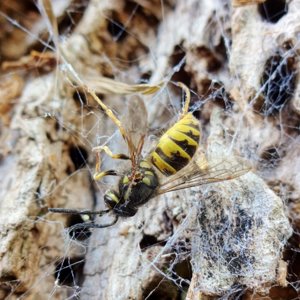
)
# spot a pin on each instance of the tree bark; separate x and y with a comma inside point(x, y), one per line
point(223, 240)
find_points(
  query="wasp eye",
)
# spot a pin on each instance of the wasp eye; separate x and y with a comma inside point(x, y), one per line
point(111, 198)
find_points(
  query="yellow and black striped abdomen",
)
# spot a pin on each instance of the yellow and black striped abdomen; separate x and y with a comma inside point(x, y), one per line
point(177, 146)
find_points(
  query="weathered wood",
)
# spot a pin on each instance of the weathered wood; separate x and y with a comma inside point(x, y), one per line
point(223, 239)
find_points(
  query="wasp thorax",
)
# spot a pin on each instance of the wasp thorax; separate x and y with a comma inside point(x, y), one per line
point(134, 189)
point(138, 190)
point(111, 198)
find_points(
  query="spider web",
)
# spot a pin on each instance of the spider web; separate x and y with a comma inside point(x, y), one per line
point(225, 239)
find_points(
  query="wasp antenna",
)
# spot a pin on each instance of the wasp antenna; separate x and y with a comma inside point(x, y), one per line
point(78, 212)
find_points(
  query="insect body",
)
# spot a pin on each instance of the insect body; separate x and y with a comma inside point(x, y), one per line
point(133, 192)
point(173, 155)
point(177, 146)
point(174, 151)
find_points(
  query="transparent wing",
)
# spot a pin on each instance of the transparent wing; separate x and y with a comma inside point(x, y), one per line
point(135, 122)
point(132, 126)
point(200, 173)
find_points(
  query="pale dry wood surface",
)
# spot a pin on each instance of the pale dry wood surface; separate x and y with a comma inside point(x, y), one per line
point(225, 240)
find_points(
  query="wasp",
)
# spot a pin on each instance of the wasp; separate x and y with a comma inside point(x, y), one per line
point(172, 158)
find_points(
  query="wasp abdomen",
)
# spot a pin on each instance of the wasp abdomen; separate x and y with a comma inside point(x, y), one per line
point(177, 146)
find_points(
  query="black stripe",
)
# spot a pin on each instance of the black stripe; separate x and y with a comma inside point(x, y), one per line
point(184, 145)
point(164, 171)
point(176, 160)
point(191, 125)
point(191, 135)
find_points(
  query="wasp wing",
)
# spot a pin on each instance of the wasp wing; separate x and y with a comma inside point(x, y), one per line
point(200, 173)
point(135, 122)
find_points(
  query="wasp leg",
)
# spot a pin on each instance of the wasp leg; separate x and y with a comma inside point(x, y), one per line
point(93, 225)
point(187, 98)
point(125, 211)
point(109, 153)
point(109, 113)
point(99, 174)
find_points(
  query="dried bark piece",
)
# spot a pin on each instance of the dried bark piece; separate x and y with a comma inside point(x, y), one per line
point(30, 242)
point(11, 87)
point(36, 61)
point(237, 3)
point(117, 266)
point(241, 230)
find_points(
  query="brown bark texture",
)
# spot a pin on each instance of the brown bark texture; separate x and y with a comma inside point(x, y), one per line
point(231, 239)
